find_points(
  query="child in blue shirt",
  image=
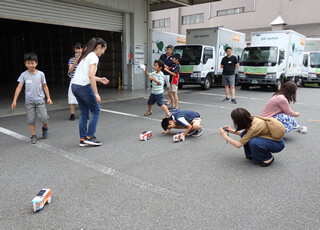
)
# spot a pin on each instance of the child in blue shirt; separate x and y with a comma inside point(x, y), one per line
point(183, 119)
point(156, 95)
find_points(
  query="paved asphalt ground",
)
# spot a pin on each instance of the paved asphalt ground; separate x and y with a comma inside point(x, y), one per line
point(201, 183)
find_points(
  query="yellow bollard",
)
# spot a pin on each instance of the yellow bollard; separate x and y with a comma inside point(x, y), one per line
point(119, 85)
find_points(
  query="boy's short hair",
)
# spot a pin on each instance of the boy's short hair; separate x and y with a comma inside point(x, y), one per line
point(170, 47)
point(160, 63)
point(228, 48)
point(177, 56)
point(165, 123)
point(77, 45)
point(30, 57)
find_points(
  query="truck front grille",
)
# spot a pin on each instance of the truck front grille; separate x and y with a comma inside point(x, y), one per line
point(255, 76)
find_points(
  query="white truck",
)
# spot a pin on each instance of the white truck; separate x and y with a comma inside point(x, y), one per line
point(202, 55)
point(311, 63)
point(273, 58)
point(159, 41)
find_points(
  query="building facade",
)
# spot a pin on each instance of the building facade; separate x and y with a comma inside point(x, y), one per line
point(244, 16)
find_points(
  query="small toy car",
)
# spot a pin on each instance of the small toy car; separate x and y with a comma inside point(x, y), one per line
point(43, 197)
point(146, 135)
point(303, 129)
point(178, 137)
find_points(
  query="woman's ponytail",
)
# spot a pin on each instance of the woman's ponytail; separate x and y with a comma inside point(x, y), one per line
point(90, 46)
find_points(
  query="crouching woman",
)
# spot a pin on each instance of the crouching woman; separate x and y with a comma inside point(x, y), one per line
point(257, 138)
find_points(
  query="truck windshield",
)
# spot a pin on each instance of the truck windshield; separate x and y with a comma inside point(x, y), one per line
point(315, 60)
point(259, 56)
point(190, 55)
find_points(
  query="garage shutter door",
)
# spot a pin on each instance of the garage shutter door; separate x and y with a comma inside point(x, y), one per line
point(61, 13)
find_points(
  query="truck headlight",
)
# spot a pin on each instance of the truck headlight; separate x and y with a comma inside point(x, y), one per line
point(241, 75)
point(197, 74)
point(271, 76)
point(312, 75)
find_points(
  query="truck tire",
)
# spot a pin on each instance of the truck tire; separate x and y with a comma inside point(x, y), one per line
point(207, 83)
point(278, 85)
point(299, 81)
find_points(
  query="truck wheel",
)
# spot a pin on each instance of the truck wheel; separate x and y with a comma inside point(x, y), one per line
point(278, 85)
point(207, 83)
point(299, 82)
point(180, 86)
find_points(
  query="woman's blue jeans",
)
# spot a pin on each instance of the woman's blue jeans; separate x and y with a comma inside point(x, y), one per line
point(261, 148)
point(87, 102)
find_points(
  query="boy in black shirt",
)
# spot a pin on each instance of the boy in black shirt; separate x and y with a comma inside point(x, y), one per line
point(229, 64)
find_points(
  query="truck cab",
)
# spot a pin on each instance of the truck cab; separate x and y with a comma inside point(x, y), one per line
point(311, 68)
point(262, 65)
point(197, 65)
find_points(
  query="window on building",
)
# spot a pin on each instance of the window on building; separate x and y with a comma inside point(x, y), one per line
point(167, 22)
point(160, 23)
point(192, 19)
point(230, 11)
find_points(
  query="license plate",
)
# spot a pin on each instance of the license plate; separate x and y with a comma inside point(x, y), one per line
point(254, 82)
point(181, 80)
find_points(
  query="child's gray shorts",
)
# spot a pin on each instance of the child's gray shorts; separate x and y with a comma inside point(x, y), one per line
point(34, 108)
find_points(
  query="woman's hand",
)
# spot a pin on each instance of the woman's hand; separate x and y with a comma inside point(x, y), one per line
point(104, 80)
point(296, 114)
point(98, 98)
point(222, 133)
point(229, 129)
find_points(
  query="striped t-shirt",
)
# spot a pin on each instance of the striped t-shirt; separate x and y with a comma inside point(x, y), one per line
point(157, 89)
point(71, 60)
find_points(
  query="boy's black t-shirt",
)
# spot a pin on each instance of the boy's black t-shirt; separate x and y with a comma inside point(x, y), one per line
point(175, 69)
point(229, 65)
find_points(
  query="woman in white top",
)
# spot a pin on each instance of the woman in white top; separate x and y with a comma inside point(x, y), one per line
point(85, 90)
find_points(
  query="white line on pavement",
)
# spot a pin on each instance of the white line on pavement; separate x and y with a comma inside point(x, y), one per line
point(221, 95)
point(205, 105)
point(252, 98)
point(129, 114)
point(143, 185)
